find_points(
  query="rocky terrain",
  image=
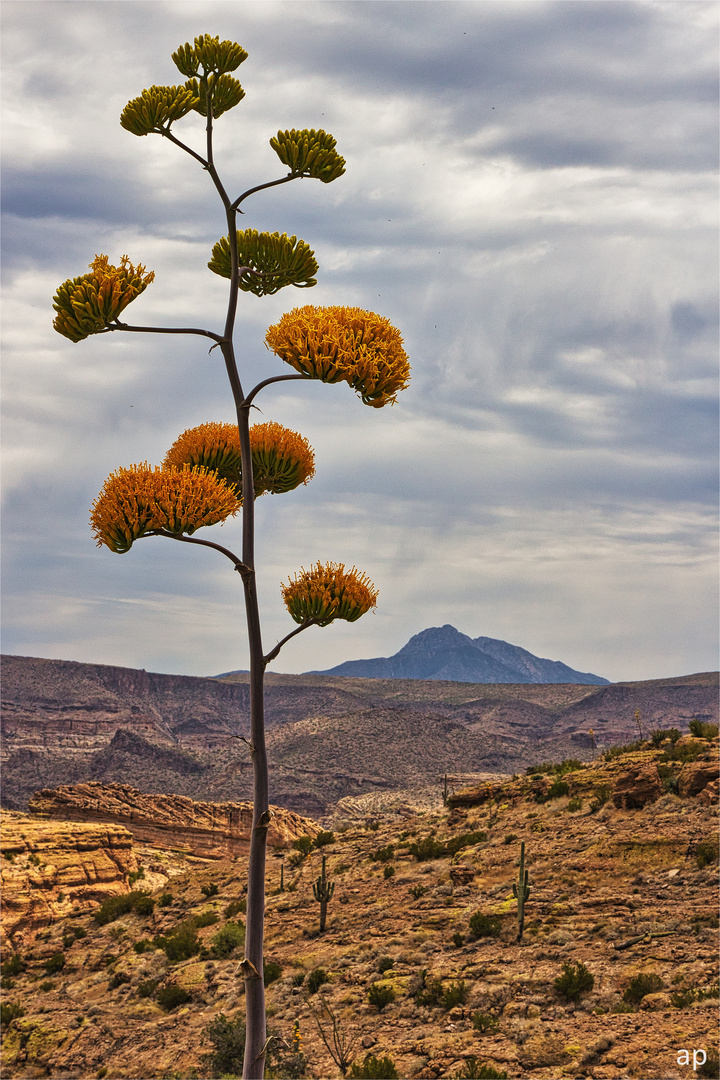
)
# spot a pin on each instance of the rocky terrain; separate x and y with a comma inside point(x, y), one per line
point(170, 822)
point(329, 738)
point(616, 974)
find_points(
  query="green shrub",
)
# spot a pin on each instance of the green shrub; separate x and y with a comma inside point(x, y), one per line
point(456, 994)
point(388, 872)
point(13, 966)
point(147, 989)
point(271, 971)
point(706, 853)
point(323, 838)
point(315, 979)
point(209, 890)
point(144, 905)
point(298, 979)
point(658, 737)
point(703, 730)
point(613, 752)
point(385, 963)
point(711, 1066)
point(484, 1022)
point(47, 985)
point(375, 1068)
point(426, 991)
point(171, 996)
point(640, 986)
point(116, 906)
point(227, 940)
point(379, 996)
point(373, 826)
point(428, 848)
point(558, 768)
point(165, 900)
point(468, 839)
point(118, 979)
point(383, 854)
point(601, 794)
point(303, 844)
point(181, 944)
point(575, 981)
point(683, 999)
point(143, 946)
point(574, 804)
point(416, 891)
point(55, 964)
point(136, 875)
point(205, 918)
point(228, 1040)
point(475, 1070)
point(9, 1011)
point(235, 907)
point(79, 932)
point(510, 838)
point(557, 789)
point(683, 752)
point(458, 939)
point(485, 925)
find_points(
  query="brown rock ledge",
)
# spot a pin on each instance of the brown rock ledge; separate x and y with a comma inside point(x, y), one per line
point(171, 822)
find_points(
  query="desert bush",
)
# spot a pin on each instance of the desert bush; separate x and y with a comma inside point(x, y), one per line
point(702, 730)
point(706, 852)
point(510, 838)
point(323, 838)
point(684, 752)
point(416, 891)
point(574, 804)
point(383, 854)
point(456, 994)
point(485, 1022)
point(613, 752)
point(385, 963)
point(209, 890)
point(13, 966)
point(458, 939)
point(485, 925)
point(426, 991)
point(468, 839)
point(315, 979)
point(55, 963)
point(475, 1070)
point(661, 734)
point(227, 940)
point(427, 848)
point(165, 900)
point(711, 1066)
point(181, 944)
point(116, 906)
point(388, 872)
point(235, 907)
point(144, 905)
point(171, 996)
point(575, 981)
point(557, 789)
point(118, 979)
point(601, 794)
point(303, 844)
point(683, 999)
point(147, 988)
point(558, 768)
point(373, 826)
point(379, 996)
point(205, 918)
point(640, 986)
point(298, 979)
point(47, 985)
point(271, 971)
point(9, 1011)
point(143, 946)
point(375, 1068)
point(136, 875)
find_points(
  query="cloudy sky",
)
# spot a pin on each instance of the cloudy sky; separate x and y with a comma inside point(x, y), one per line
point(530, 197)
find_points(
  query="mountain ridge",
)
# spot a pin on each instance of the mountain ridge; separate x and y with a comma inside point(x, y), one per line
point(445, 654)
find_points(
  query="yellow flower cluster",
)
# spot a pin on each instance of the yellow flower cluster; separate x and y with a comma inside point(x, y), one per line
point(327, 592)
point(143, 498)
point(344, 343)
point(87, 304)
point(282, 459)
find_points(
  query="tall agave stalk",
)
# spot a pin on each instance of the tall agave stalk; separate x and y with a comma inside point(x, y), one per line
point(217, 470)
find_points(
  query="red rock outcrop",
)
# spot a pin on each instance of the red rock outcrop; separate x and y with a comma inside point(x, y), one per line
point(637, 787)
point(695, 776)
point(205, 829)
point(52, 869)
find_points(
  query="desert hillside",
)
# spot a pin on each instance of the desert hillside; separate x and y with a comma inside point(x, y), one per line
point(615, 976)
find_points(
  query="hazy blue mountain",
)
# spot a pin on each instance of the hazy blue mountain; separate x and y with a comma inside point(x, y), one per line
point(442, 652)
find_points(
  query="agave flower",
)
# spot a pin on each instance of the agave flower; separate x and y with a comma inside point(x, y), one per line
point(86, 305)
point(142, 499)
point(327, 592)
point(344, 343)
point(282, 459)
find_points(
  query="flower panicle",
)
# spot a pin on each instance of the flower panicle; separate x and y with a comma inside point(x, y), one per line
point(88, 304)
point(142, 499)
point(327, 592)
point(347, 344)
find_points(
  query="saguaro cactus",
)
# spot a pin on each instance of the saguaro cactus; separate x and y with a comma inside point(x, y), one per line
point(323, 891)
point(521, 891)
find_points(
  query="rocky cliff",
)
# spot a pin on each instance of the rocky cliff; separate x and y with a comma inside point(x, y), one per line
point(170, 822)
point(54, 870)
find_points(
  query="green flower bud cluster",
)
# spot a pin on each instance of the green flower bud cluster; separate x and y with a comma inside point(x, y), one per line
point(210, 53)
point(157, 108)
point(309, 153)
point(225, 93)
point(282, 259)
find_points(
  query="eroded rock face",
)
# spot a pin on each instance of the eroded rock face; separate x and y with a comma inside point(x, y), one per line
point(205, 829)
point(695, 776)
point(637, 787)
point(53, 869)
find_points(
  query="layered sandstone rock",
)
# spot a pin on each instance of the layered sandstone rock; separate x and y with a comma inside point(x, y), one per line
point(695, 777)
point(172, 822)
point(639, 786)
point(51, 869)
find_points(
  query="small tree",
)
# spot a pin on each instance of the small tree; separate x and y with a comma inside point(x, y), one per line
point(217, 470)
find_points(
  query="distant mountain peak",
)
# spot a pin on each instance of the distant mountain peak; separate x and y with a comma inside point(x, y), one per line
point(444, 653)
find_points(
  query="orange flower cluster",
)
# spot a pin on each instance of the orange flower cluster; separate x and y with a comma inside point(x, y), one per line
point(327, 592)
point(85, 305)
point(344, 343)
point(282, 459)
point(136, 501)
